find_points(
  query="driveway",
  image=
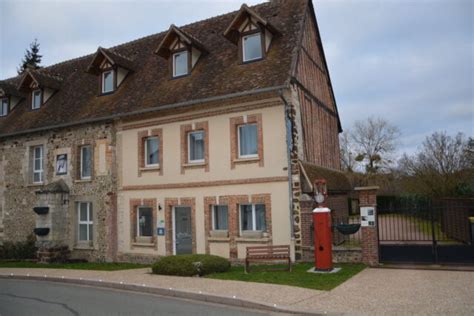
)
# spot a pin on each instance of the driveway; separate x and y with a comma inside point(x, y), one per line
point(400, 292)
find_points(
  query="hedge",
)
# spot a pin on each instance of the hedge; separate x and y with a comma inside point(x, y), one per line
point(191, 265)
point(19, 250)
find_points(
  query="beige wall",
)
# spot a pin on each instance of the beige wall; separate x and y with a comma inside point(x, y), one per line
point(274, 144)
point(279, 209)
point(136, 185)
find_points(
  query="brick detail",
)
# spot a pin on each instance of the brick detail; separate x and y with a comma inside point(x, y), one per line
point(234, 146)
point(142, 135)
point(134, 205)
point(170, 203)
point(209, 201)
point(185, 129)
point(369, 235)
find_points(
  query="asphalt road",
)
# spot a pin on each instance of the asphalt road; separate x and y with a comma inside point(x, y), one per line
point(21, 297)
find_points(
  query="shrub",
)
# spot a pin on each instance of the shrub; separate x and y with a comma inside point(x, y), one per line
point(190, 265)
point(20, 250)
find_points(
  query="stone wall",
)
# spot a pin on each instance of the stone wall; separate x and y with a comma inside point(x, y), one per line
point(19, 198)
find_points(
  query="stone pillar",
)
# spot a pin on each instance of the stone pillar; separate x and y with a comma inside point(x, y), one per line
point(369, 233)
point(52, 222)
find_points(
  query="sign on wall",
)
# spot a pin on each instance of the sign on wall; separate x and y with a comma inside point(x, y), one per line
point(367, 216)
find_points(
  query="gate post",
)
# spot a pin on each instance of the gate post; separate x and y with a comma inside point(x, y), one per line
point(369, 229)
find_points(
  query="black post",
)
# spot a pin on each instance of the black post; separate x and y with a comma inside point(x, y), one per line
point(433, 234)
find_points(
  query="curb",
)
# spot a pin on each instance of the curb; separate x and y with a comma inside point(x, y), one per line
point(170, 292)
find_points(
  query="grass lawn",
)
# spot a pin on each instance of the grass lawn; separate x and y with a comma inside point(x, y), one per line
point(79, 266)
point(298, 277)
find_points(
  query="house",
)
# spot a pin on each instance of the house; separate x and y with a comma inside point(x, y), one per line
point(198, 139)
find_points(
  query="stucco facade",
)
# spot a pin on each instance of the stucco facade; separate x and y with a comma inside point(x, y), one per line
point(221, 179)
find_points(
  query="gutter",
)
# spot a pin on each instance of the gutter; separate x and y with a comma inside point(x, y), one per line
point(150, 110)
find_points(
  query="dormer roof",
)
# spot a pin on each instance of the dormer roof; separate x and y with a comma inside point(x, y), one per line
point(174, 33)
point(112, 57)
point(233, 30)
point(9, 89)
point(39, 80)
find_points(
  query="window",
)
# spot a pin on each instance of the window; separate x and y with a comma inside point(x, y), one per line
point(86, 162)
point(38, 164)
point(248, 141)
point(196, 146)
point(252, 217)
point(151, 151)
point(36, 99)
point(85, 222)
point(220, 217)
point(107, 81)
point(180, 64)
point(144, 222)
point(252, 47)
point(4, 107)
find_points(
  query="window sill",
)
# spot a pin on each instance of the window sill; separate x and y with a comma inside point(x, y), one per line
point(39, 184)
point(218, 239)
point(195, 164)
point(151, 168)
point(247, 159)
point(139, 244)
point(83, 247)
point(82, 180)
point(253, 239)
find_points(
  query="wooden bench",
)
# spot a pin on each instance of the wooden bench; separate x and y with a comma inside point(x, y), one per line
point(268, 253)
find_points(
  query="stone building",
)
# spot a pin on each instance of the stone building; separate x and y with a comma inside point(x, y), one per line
point(199, 139)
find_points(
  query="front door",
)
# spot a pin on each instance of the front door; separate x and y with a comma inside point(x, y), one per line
point(183, 230)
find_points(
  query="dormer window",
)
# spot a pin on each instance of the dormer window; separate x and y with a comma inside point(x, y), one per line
point(180, 63)
point(36, 99)
point(108, 81)
point(4, 107)
point(181, 50)
point(111, 69)
point(252, 33)
point(252, 47)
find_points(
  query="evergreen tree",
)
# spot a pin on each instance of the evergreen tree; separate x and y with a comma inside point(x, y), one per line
point(32, 58)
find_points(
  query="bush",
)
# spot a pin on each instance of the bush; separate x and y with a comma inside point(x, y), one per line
point(20, 250)
point(190, 265)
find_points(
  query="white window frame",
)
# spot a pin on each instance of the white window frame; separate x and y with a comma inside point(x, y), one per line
point(203, 149)
point(41, 159)
point(33, 93)
point(4, 106)
point(259, 34)
point(89, 222)
point(103, 81)
point(138, 220)
point(81, 173)
point(238, 141)
point(214, 208)
point(147, 165)
point(175, 75)
point(254, 218)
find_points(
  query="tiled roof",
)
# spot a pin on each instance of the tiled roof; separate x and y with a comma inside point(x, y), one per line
point(218, 73)
point(336, 179)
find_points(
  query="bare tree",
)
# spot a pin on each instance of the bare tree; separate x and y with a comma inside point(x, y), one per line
point(375, 141)
point(347, 150)
point(441, 167)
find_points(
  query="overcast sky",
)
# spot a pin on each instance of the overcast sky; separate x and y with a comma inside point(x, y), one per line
point(410, 62)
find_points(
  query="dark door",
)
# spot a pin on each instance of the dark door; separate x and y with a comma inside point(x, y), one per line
point(183, 230)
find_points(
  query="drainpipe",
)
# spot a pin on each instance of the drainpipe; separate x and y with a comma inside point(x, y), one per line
point(289, 143)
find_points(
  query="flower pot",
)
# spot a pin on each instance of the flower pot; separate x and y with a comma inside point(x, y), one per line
point(41, 210)
point(41, 231)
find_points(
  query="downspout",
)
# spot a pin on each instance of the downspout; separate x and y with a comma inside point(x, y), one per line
point(289, 143)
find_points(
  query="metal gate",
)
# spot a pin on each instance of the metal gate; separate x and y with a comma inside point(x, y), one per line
point(440, 234)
